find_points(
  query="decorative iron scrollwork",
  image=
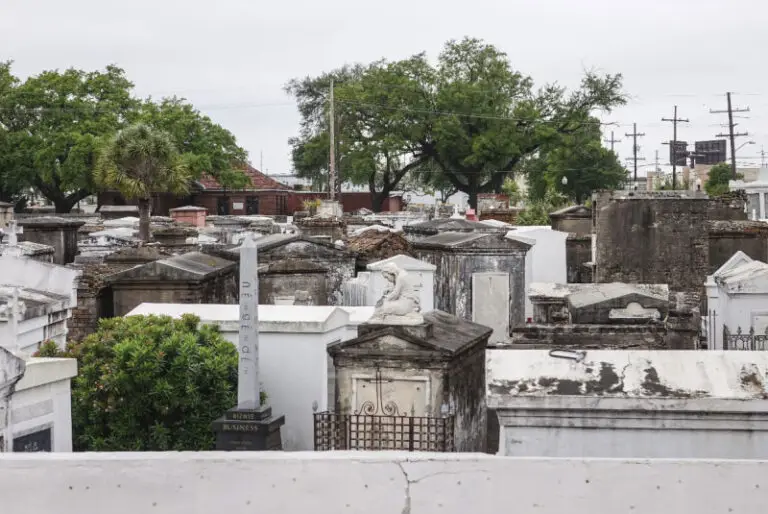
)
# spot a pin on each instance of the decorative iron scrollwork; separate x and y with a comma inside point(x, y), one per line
point(745, 341)
point(371, 408)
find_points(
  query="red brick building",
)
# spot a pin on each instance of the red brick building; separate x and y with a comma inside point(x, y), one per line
point(264, 196)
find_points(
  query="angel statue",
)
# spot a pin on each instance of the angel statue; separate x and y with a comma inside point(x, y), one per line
point(400, 303)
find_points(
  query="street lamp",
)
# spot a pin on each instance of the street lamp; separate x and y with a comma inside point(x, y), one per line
point(745, 144)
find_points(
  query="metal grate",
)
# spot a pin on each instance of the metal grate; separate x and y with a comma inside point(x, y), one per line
point(745, 341)
point(378, 432)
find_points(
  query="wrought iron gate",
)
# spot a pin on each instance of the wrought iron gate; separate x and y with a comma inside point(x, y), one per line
point(379, 425)
point(380, 432)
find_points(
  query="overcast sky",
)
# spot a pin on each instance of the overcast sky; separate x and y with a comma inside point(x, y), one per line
point(231, 58)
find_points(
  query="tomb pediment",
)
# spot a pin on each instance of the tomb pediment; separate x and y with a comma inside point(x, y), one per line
point(748, 278)
point(441, 333)
point(613, 302)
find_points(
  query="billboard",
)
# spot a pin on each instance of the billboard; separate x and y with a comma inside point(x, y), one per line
point(711, 152)
point(678, 152)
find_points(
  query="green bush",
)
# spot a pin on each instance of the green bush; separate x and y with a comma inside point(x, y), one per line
point(150, 384)
point(718, 178)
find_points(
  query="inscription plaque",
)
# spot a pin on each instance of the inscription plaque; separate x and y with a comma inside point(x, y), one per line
point(34, 442)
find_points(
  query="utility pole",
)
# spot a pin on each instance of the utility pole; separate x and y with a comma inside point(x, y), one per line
point(731, 134)
point(635, 148)
point(674, 121)
point(612, 140)
point(332, 163)
point(762, 157)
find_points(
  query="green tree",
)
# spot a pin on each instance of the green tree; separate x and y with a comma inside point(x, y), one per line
point(150, 384)
point(718, 178)
point(139, 161)
point(584, 163)
point(11, 185)
point(205, 146)
point(493, 120)
point(52, 127)
point(56, 121)
point(471, 114)
point(376, 131)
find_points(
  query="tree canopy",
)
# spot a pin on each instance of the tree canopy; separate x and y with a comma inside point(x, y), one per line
point(470, 115)
point(580, 164)
point(53, 124)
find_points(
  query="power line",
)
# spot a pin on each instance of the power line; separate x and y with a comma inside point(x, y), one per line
point(674, 119)
point(635, 148)
point(731, 134)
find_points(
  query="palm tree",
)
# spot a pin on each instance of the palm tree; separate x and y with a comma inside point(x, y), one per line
point(139, 161)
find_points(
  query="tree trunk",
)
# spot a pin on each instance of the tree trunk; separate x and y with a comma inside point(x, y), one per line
point(63, 205)
point(377, 200)
point(144, 206)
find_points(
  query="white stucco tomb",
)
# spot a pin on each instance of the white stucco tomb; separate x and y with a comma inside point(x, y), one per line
point(295, 370)
point(629, 403)
point(36, 300)
point(737, 297)
point(545, 262)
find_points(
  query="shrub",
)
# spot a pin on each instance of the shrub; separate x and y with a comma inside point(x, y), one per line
point(151, 384)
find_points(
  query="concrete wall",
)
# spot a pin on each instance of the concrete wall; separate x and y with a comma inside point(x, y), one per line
point(655, 240)
point(578, 250)
point(728, 237)
point(374, 483)
point(453, 280)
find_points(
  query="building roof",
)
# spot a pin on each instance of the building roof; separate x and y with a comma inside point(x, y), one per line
point(516, 377)
point(572, 211)
point(50, 221)
point(601, 293)
point(494, 241)
point(36, 303)
point(750, 277)
point(375, 245)
point(259, 181)
point(194, 266)
point(272, 241)
point(188, 208)
point(446, 334)
point(585, 294)
point(439, 225)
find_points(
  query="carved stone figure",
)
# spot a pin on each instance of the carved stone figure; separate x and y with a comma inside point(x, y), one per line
point(399, 304)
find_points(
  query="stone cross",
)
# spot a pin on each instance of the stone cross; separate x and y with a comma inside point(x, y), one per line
point(248, 386)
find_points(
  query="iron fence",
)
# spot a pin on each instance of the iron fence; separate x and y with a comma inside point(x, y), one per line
point(745, 340)
point(380, 432)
